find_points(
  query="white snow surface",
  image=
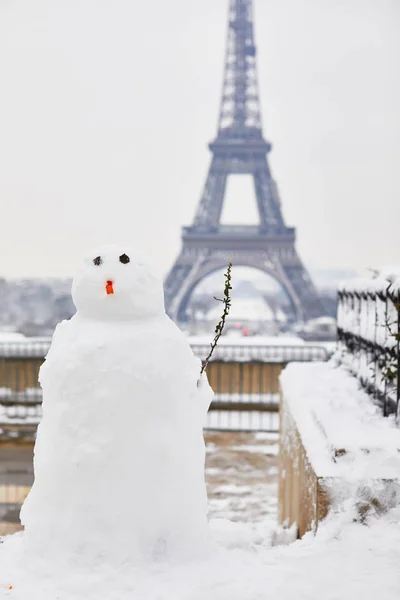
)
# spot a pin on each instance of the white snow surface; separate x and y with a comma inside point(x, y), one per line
point(378, 282)
point(11, 336)
point(257, 340)
point(345, 560)
point(331, 412)
point(259, 348)
point(121, 401)
point(244, 309)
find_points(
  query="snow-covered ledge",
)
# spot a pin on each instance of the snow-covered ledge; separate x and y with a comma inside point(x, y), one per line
point(335, 444)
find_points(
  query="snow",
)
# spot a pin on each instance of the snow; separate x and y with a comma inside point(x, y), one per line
point(243, 566)
point(244, 309)
point(240, 420)
point(26, 347)
point(267, 398)
point(138, 292)
point(259, 348)
point(232, 420)
point(378, 282)
point(257, 340)
point(118, 507)
point(268, 349)
point(332, 413)
point(242, 480)
point(345, 560)
point(272, 449)
point(11, 336)
point(120, 400)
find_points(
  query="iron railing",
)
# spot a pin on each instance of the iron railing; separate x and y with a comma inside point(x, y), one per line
point(20, 393)
point(253, 351)
point(368, 337)
point(245, 379)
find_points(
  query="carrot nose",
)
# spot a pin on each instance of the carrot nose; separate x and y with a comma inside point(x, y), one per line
point(109, 287)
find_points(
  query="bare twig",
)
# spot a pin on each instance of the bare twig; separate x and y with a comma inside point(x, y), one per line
point(226, 300)
point(390, 364)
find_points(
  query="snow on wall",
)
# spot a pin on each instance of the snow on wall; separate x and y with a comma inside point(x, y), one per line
point(343, 432)
point(260, 349)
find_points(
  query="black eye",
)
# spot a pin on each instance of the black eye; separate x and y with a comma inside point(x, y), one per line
point(124, 258)
point(97, 261)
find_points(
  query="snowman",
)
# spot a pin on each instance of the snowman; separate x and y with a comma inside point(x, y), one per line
point(119, 455)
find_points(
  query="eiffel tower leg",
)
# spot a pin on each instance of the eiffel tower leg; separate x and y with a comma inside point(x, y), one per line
point(210, 207)
point(303, 288)
point(267, 198)
point(181, 280)
point(282, 263)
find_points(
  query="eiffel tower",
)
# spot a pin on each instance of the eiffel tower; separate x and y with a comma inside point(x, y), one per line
point(240, 148)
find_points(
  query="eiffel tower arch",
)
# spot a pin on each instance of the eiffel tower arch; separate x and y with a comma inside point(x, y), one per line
point(240, 148)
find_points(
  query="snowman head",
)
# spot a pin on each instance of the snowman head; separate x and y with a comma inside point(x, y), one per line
point(114, 284)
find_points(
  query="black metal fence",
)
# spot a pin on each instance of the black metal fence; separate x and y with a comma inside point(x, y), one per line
point(368, 338)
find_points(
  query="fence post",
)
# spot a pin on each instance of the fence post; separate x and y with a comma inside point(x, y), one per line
point(398, 354)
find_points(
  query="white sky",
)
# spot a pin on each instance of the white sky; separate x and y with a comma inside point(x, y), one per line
point(106, 108)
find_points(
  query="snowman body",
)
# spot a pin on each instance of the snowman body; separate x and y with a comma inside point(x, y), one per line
point(119, 456)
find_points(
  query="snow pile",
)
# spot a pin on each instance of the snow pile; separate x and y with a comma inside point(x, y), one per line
point(332, 413)
point(343, 432)
point(345, 560)
point(119, 457)
point(379, 281)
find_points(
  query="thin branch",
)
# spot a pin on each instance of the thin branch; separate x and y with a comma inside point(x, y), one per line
point(390, 365)
point(219, 328)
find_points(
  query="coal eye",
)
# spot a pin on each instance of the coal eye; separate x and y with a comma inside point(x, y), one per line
point(97, 261)
point(124, 258)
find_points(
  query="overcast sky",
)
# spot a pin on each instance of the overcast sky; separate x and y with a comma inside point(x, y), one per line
point(107, 106)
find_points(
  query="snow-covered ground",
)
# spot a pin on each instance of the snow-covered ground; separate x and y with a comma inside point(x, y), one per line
point(344, 561)
point(241, 476)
